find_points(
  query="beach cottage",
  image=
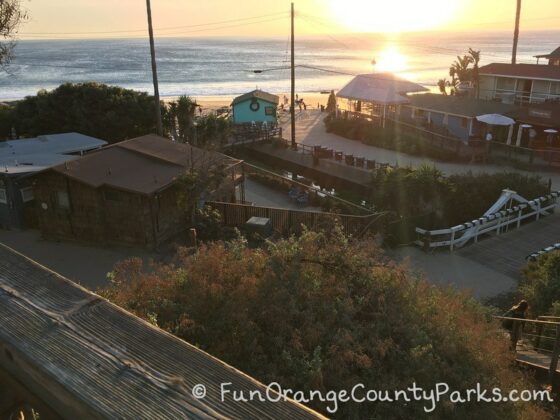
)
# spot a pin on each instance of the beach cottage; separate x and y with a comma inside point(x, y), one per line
point(255, 107)
point(452, 116)
point(127, 193)
point(20, 159)
point(522, 83)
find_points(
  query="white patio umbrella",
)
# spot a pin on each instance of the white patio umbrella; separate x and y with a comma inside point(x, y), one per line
point(495, 119)
point(550, 133)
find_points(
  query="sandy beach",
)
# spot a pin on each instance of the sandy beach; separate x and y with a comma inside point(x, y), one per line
point(211, 103)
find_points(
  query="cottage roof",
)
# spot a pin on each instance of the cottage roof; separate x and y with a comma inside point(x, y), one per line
point(83, 354)
point(143, 165)
point(553, 54)
point(544, 115)
point(382, 88)
point(531, 71)
point(35, 154)
point(459, 105)
point(259, 94)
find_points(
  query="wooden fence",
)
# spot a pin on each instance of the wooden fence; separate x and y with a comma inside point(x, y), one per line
point(286, 221)
point(497, 223)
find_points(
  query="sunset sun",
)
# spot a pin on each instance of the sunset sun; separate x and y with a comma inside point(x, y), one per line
point(392, 16)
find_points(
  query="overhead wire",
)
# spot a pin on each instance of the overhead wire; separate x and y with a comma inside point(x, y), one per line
point(278, 14)
point(170, 34)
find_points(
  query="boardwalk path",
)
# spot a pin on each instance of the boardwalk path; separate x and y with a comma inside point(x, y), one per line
point(506, 253)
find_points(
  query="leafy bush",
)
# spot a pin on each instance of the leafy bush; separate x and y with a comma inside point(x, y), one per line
point(541, 284)
point(472, 195)
point(209, 226)
point(319, 312)
point(107, 112)
point(448, 201)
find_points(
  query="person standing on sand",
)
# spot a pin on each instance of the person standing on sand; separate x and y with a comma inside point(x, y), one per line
point(518, 311)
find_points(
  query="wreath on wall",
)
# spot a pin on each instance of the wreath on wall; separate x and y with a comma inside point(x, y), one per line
point(254, 106)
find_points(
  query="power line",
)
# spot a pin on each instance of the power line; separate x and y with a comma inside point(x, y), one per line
point(157, 29)
point(175, 34)
point(339, 72)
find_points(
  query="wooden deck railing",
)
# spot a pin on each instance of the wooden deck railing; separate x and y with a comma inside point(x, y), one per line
point(536, 342)
point(548, 158)
point(74, 355)
point(322, 152)
point(496, 223)
point(287, 221)
point(442, 140)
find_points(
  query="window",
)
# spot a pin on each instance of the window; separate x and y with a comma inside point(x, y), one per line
point(3, 196)
point(111, 195)
point(27, 194)
point(270, 110)
point(504, 83)
point(62, 199)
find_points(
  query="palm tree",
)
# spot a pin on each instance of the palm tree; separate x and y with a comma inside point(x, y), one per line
point(461, 68)
point(460, 71)
point(442, 85)
point(475, 59)
point(186, 109)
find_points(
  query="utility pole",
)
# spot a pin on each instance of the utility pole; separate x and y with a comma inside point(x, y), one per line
point(516, 33)
point(159, 126)
point(293, 91)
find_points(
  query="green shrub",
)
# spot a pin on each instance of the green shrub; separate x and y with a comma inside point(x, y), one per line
point(449, 200)
point(107, 112)
point(209, 225)
point(540, 285)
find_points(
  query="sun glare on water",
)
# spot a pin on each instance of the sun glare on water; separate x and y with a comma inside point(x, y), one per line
point(392, 15)
point(390, 60)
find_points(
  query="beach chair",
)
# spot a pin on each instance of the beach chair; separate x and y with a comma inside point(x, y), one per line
point(303, 199)
point(294, 193)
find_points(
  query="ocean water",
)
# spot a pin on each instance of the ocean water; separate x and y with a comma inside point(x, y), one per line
point(220, 66)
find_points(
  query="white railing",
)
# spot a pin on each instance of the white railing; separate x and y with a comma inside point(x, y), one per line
point(498, 223)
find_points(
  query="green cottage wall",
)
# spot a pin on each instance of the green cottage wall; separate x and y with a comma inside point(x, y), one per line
point(242, 112)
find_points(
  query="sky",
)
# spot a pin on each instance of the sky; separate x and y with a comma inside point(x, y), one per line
point(258, 18)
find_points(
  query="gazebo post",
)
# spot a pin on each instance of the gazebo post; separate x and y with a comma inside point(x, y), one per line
point(510, 135)
point(384, 114)
point(519, 134)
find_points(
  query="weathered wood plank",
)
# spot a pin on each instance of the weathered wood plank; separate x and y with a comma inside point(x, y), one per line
point(87, 358)
point(506, 253)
